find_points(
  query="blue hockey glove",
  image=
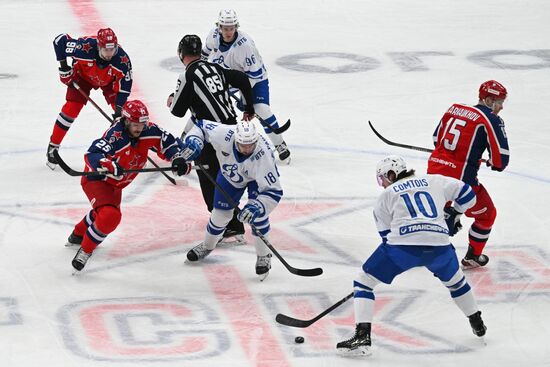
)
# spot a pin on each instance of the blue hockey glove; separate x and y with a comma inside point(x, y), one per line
point(252, 210)
point(452, 217)
point(191, 148)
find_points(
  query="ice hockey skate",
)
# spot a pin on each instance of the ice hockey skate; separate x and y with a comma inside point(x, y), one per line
point(284, 153)
point(232, 237)
point(74, 240)
point(358, 345)
point(198, 252)
point(80, 259)
point(52, 162)
point(263, 264)
point(472, 261)
point(476, 322)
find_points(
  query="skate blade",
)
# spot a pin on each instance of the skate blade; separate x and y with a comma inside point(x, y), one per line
point(470, 266)
point(231, 241)
point(363, 351)
point(68, 244)
point(263, 276)
point(51, 165)
point(286, 161)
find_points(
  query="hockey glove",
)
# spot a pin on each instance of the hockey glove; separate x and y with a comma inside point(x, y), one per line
point(252, 210)
point(110, 168)
point(452, 217)
point(117, 113)
point(180, 166)
point(191, 149)
point(66, 75)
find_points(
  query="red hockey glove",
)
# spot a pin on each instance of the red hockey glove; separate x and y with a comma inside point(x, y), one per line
point(110, 168)
point(66, 75)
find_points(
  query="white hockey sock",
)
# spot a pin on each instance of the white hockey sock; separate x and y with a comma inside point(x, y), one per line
point(276, 139)
point(467, 303)
point(364, 309)
point(211, 240)
point(216, 226)
point(264, 111)
point(261, 248)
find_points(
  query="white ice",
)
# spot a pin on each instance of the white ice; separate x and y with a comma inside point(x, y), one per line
point(138, 303)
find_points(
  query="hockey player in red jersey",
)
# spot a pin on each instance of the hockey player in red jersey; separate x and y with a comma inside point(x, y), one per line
point(461, 138)
point(123, 146)
point(98, 62)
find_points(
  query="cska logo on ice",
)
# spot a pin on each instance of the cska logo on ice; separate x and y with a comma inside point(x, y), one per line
point(514, 272)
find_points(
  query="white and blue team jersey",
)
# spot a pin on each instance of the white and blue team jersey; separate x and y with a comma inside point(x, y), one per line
point(409, 212)
point(239, 170)
point(241, 55)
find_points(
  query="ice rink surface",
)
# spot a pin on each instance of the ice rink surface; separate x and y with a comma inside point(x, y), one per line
point(333, 65)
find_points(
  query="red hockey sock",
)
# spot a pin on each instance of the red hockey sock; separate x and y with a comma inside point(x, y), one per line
point(106, 220)
point(65, 119)
point(82, 226)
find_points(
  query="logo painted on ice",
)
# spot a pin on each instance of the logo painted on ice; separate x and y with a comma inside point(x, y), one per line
point(513, 274)
point(142, 329)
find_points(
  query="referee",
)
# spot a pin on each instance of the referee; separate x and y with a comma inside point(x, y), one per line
point(204, 90)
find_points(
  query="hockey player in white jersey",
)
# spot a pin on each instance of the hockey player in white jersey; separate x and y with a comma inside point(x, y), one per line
point(247, 161)
point(415, 225)
point(230, 47)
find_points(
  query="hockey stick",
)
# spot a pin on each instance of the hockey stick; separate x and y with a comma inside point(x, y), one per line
point(276, 130)
point(421, 149)
point(290, 321)
point(88, 98)
point(302, 272)
point(389, 142)
point(65, 167)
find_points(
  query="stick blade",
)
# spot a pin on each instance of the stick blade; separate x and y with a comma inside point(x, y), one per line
point(283, 128)
point(307, 272)
point(292, 322)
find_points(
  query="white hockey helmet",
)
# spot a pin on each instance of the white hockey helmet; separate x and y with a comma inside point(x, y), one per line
point(391, 163)
point(246, 137)
point(228, 17)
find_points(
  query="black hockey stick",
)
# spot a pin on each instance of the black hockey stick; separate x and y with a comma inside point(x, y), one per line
point(421, 149)
point(77, 87)
point(389, 142)
point(290, 321)
point(302, 272)
point(65, 167)
point(276, 130)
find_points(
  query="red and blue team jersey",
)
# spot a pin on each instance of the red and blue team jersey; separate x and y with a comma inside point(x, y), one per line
point(461, 137)
point(89, 66)
point(130, 153)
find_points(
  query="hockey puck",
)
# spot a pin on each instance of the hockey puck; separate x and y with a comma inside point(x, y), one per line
point(299, 339)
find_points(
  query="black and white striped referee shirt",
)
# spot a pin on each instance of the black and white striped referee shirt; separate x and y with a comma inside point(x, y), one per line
point(204, 89)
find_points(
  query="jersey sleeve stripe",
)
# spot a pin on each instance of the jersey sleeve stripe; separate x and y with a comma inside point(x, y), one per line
point(275, 195)
point(466, 195)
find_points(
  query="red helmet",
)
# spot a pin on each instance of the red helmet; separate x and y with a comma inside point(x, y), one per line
point(106, 38)
point(493, 89)
point(135, 111)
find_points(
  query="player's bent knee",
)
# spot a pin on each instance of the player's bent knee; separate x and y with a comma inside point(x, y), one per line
point(457, 285)
point(108, 218)
point(220, 217)
point(366, 280)
point(72, 109)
